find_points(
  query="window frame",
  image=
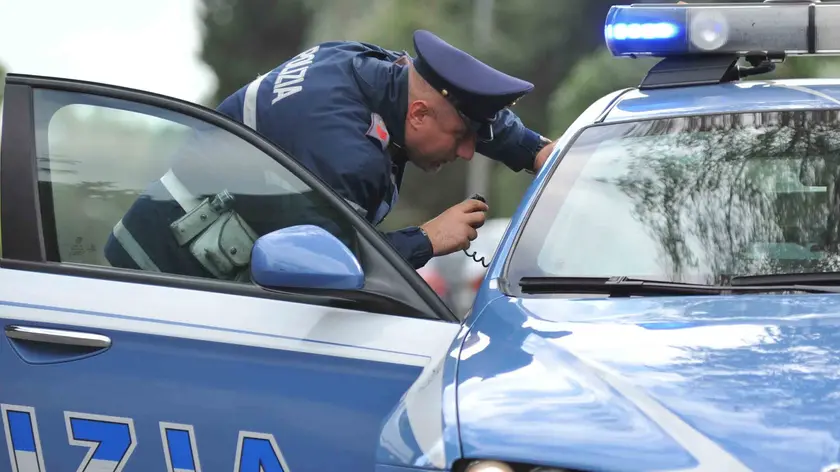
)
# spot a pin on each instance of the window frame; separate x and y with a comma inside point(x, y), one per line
point(510, 287)
point(28, 246)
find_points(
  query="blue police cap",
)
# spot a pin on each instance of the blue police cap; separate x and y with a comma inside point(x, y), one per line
point(475, 89)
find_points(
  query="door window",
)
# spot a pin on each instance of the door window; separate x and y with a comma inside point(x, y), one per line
point(128, 185)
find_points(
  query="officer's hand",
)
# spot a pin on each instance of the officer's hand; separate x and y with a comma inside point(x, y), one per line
point(542, 156)
point(454, 229)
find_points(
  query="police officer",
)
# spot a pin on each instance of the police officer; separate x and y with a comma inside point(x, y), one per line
point(355, 114)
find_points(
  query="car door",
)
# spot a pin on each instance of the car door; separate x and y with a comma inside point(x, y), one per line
point(112, 369)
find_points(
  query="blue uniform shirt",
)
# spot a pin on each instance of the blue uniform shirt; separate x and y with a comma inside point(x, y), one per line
point(339, 108)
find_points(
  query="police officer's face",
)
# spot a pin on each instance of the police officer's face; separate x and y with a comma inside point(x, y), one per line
point(439, 136)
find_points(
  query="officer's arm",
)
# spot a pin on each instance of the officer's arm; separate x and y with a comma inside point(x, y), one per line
point(357, 168)
point(413, 244)
point(365, 186)
point(513, 144)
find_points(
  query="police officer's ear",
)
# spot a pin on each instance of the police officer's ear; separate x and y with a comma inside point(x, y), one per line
point(418, 111)
point(403, 61)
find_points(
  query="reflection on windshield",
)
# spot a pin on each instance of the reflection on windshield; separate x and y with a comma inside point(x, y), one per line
point(693, 199)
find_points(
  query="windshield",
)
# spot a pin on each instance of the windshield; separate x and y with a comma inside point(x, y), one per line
point(692, 199)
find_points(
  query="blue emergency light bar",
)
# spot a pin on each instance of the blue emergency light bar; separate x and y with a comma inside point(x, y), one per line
point(777, 29)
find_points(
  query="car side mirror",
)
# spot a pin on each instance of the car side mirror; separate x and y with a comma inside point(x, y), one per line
point(305, 256)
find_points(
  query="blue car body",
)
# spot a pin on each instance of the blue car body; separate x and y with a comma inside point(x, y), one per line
point(129, 371)
point(637, 384)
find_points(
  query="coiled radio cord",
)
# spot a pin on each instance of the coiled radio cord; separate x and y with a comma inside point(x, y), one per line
point(474, 255)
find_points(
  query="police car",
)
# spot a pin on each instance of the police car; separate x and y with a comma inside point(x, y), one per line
point(665, 297)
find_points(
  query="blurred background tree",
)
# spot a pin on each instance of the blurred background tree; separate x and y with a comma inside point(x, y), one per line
point(245, 38)
point(558, 46)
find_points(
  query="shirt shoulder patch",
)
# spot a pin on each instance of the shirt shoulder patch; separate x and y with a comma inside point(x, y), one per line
point(378, 131)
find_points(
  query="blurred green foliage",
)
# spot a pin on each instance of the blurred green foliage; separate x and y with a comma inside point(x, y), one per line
point(244, 38)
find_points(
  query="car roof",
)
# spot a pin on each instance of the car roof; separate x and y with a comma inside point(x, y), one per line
point(753, 95)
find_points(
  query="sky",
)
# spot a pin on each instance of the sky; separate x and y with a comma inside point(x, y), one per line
point(152, 45)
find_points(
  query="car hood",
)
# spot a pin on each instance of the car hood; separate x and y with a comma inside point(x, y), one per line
point(669, 383)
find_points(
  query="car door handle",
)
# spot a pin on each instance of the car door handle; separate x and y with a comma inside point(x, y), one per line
point(56, 336)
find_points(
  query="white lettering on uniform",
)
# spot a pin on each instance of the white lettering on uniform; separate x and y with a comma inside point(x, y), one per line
point(293, 73)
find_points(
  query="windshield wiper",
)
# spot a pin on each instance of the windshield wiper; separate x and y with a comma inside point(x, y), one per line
point(616, 286)
point(624, 287)
point(814, 278)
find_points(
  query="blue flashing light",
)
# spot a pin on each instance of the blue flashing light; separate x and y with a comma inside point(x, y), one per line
point(663, 30)
point(635, 31)
point(625, 31)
